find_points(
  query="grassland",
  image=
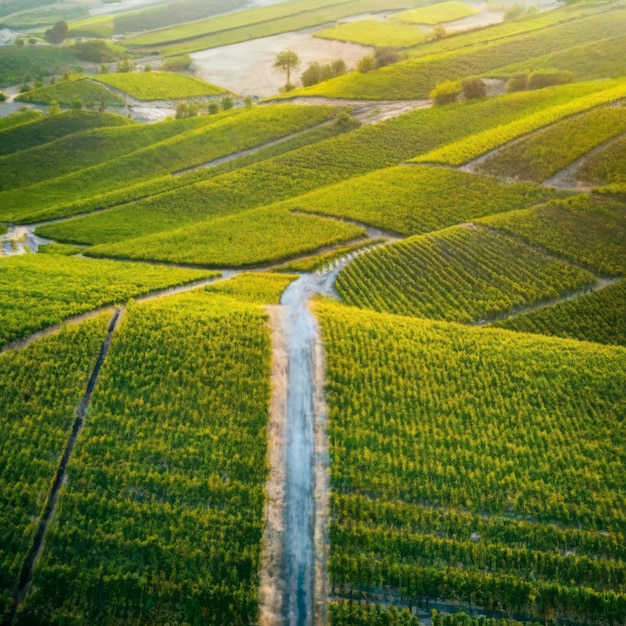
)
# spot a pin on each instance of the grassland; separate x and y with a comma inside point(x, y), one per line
point(436, 13)
point(213, 137)
point(590, 231)
point(375, 33)
point(416, 78)
point(41, 291)
point(160, 85)
point(44, 130)
point(255, 23)
point(64, 92)
point(24, 63)
point(417, 200)
point(547, 152)
point(21, 117)
point(41, 388)
point(607, 167)
point(263, 235)
point(462, 274)
point(597, 317)
point(445, 440)
point(162, 513)
point(475, 145)
point(291, 174)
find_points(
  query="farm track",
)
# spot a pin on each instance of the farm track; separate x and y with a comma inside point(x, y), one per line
point(61, 473)
point(566, 178)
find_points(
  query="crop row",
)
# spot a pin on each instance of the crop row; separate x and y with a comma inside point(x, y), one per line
point(595, 317)
point(607, 167)
point(41, 388)
point(83, 149)
point(417, 200)
point(416, 78)
point(214, 138)
point(161, 518)
point(294, 173)
point(45, 129)
point(263, 235)
point(21, 117)
point(588, 230)
point(462, 274)
point(550, 150)
point(475, 145)
point(429, 419)
point(65, 91)
point(257, 287)
point(160, 85)
point(41, 291)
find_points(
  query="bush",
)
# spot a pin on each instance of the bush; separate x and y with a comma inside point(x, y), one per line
point(98, 51)
point(539, 80)
point(54, 108)
point(147, 68)
point(124, 67)
point(76, 103)
point(366, 64)
point(227, 103)
point(213, 108)
point(182, 110)
point(473, 88)
point(517, 82)
point(439, 32)
point(317, 73)
point(446, 92)
point(386, 56)
point(343, 122)
point(3, 96)
point(514, 12)
point(24, 87)
point(177, 64)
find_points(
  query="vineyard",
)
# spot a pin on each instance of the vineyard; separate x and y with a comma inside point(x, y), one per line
point(607, 167)
point(588, 230)
point(160, 85)
point(374, 33)
point(597, 317)
point(165, 492)
point(41, 291)
point(21, 117)
point(462, 274)
point(41, 388)
point(445, 440)
point(64, 93)
point(548, 151)
point(417, 200)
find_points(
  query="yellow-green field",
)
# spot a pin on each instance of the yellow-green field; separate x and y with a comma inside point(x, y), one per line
point(374, 33)
point(436, 13)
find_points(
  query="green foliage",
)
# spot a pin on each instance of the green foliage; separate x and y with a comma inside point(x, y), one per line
point(160, 85)
point(254, 287)
point(206, 138)
point(177, 64)
point(417, 200)
point(57, 33)
point(65, 93)
point(415, 78)
point(253, 237)
point(429, 418)
point(98, 51)
point(590, 231)
point(3, 96)
point(316, 73)
point(81, 150)
point(473, 87)
point(607, 167)
point(539, 80)
point(462, 274)
point(41, 291)
point(21, 117)
point(326, 259)
point(597, 317)
point(436, 13)
point(41, 388)
point(479, 143)
point(350, 614)
point(445, 92)
point(548, 151)
point(372, 32)
point(366, 64)
point(163, 508)
point(48, 129)
point(64, 249)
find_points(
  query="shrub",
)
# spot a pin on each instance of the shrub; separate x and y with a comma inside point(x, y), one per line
point(54, 108)
point(366, 64)
point(317, 73)
point(439, 32)
point(538, 80)
point(227, 103)
point(446, 92)
point(473, 88)
point(147, 68)
point(386, 56)
point(343, 122)
point(517, 82)
point(76, 103)
point(98, 51)
point(24, 87)
point(3, 96)
point(177, 63)
point(338, 67)
point(123, 67)
point(514, 12)
point(213, 108)
point(182, 110)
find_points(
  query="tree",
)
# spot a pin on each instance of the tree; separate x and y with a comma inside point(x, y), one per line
point(103, 69)
point(54, 108)
point(446, 92)
point(366, 64)
point(312, 74)
point(287, 61)
point(213, 108)
point(57, 33)
point(386, 56)
point(76, 103)
point(473, 88)
point(182, 110)
point(3, 96)
point(227, 103)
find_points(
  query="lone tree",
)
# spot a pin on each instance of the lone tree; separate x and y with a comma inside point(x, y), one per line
point(287, 61)
point(57, 33)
